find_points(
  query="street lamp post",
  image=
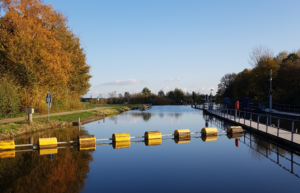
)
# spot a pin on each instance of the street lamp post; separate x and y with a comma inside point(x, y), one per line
point(270, 90)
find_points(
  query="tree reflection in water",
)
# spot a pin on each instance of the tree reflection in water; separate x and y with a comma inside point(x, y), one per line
point(31, 172)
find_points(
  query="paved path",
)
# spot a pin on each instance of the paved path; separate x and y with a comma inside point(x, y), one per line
point(51, 115)
point(281, 133)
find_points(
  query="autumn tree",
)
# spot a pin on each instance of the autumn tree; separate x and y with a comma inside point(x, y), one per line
point(42, 54)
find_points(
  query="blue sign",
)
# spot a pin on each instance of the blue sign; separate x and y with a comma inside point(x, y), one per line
point(226, 100)
point(49, 99)
point(98, 97)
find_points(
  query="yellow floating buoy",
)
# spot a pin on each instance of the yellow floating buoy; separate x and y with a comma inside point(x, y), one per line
point(121, 137)
point(235, 129)
point(182, 140)
point(86, 139)
point(48, 151)
point(121, 144)
point(207, 138)
point(7, 145)
point(87, 142)
point(7, 154)
point(209, 131)
point(234, 135)
point(48, 143)
point(182, 133)
point(152, 142)
point(152, 135)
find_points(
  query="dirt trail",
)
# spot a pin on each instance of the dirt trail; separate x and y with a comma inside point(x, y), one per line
point(50, 115)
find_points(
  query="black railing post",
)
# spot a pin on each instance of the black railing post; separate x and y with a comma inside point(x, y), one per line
point(257, 122)
point(250, 120)
point(278, 122)
point(292, 137)
point(267, 123)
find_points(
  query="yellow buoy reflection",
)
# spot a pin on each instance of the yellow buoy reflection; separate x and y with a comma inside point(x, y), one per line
point(87, 146)
point(182, 140)
point(121, 144)
point(48, 151)
point(7, 154)
point(152, 142)
point(234, 135)
point(209, 138)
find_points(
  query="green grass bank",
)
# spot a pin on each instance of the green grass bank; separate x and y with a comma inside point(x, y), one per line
point(15, 129)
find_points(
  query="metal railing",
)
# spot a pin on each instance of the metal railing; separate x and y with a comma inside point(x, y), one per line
point(284, 107)
point(261, 120)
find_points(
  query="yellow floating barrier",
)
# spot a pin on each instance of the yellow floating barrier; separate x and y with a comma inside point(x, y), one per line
point(182, 133)
point(7, 154)
point(235, 129)
point(234, 135)
point(152, 142)
point(86, 142)
point(7, 145)
point(152, 135)
point(209, 131)
point(48, 143)
point(207, 138)
point(48, 151)
point(86, 139)
point(121, 137)
point(121, 144)
point(182, 140)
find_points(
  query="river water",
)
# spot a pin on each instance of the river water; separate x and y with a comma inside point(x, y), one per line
point(221, 164)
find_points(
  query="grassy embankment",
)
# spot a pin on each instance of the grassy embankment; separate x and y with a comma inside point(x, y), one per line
point(10, 130)
point(85, 105)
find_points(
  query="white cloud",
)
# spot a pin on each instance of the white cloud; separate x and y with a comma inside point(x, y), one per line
point(211, 88)
point(122, 82)
point(173, 79)
point(202, 88)
point(166, 89)
point(184, 89)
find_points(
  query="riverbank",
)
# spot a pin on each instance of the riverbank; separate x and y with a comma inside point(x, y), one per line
point(15, 129)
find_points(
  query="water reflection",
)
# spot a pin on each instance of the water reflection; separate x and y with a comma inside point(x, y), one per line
point(35, 172)
point(260, 147)
point(120, 166)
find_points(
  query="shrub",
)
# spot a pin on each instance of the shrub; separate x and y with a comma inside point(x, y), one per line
point(9, 97)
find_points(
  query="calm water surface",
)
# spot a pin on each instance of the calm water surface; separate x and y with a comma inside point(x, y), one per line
point(221, 165)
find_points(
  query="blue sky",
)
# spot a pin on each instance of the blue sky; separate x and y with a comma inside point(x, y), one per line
point(163, 44)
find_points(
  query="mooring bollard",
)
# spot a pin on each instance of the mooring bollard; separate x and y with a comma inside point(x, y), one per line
point(29, 111)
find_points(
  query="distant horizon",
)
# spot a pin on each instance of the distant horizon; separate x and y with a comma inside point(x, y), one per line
point(167, 44)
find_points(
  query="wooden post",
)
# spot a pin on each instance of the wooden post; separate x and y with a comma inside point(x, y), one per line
point(78, 121)
point(30, 118)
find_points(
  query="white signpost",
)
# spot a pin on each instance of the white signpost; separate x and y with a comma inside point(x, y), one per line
point(48, 101)
point(98, 99)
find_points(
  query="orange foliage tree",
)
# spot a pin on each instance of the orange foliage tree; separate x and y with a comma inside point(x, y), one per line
point(43, 55)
